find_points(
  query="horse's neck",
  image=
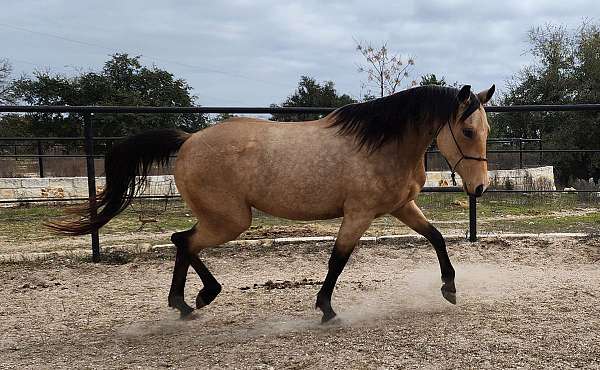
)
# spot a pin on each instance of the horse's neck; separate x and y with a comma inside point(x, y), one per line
point(415, 145)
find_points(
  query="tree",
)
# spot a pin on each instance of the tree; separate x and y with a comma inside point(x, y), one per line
point(312, 94)
point(5, 83)
point(566, 70)
point(122, 81)
point(385, 72)
point(216, 118)
point(431, 79)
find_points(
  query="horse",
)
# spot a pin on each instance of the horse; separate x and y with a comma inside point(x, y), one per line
point(360, 162)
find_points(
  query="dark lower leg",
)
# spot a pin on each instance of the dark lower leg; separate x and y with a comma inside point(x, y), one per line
point(337, 261)
point(176, 298)
point(211, 286)
point(437, 240)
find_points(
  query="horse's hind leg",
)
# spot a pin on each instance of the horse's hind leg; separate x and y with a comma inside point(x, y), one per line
point(412, 216)
point(204, 234)
point(211, 288)
point(182, 263)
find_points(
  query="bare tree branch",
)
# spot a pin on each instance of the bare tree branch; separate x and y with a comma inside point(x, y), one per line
point(5, 82)
point(385, 72)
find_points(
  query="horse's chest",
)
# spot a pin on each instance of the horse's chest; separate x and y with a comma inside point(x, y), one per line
point(403, 189)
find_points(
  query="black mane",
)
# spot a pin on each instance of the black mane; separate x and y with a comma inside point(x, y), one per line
point(386, 119)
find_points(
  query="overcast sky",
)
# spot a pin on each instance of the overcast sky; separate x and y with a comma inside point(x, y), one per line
point(252, 53)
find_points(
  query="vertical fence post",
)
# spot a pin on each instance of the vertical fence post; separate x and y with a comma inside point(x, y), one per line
point(426, 156)
point(520, 153)
point(40, 159)
point(472, 218)
point(91, 178)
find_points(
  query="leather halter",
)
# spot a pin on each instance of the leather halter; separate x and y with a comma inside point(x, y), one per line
point(462, 155)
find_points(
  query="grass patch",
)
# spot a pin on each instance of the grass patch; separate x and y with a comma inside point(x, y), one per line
point(21, 227)
point(588, 223)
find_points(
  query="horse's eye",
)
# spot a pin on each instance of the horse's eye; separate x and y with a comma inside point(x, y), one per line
point(468, 133)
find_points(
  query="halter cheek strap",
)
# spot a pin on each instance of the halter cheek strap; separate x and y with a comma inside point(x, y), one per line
point(462, 155)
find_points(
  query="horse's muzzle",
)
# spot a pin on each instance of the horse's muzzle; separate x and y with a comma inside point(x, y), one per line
point(479, 191)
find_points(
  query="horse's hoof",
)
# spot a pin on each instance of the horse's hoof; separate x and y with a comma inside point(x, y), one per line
point(450, 296)
point(200, 302)
point(330, 321)
point(324, 305)
point(449, 291)
point(328, 317)
point(206, 296)
point(186, 313)
point(188, 316)
point(178, 303)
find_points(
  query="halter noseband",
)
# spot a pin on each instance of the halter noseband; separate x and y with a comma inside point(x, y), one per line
point(462, 155)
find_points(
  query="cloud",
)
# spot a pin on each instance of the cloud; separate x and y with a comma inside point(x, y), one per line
point(253, 52)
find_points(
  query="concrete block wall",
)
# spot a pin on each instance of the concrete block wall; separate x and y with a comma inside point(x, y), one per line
point(70, 187)
point(517, 177)
point(540, 177)
point(67, 187)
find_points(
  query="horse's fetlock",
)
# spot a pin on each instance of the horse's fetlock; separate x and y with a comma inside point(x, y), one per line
point(322, 302)
point(207, 295)
point(213, 290)
point(448, 277)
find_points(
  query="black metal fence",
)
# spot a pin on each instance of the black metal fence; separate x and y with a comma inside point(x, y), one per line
point(87, 112)
point(38, 149)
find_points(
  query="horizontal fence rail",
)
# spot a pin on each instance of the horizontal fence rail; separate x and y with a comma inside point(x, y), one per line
point(87, 111)
point(76, 138)
point(90, 109)
point(431, 151)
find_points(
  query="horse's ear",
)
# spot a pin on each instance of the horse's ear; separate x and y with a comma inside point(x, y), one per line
point(485, 95)
point(464, 94)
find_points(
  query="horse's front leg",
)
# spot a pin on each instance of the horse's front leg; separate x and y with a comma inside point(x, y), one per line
point(412, 216)
point(353, 227)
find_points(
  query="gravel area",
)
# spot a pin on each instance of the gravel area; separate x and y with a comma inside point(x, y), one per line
point(531, 302)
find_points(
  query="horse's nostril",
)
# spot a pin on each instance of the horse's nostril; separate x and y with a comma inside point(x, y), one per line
point(479, 191)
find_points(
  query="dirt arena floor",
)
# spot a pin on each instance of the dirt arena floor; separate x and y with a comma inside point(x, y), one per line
point(532, 303)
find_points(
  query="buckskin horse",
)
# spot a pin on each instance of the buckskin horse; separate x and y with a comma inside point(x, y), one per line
point(360, 162)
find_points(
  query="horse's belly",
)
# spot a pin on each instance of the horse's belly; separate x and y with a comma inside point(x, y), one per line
point(308, 214)
point(298, 203)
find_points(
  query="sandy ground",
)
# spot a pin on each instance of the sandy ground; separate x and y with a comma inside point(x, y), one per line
point(531, 303)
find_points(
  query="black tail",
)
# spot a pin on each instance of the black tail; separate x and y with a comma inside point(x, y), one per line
point(126, 167)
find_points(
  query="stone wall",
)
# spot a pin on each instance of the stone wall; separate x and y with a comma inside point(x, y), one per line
point(68, 187)
point(541, 178)
point(72, 187)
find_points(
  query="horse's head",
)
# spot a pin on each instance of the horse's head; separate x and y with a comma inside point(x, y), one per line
point(462, 141)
